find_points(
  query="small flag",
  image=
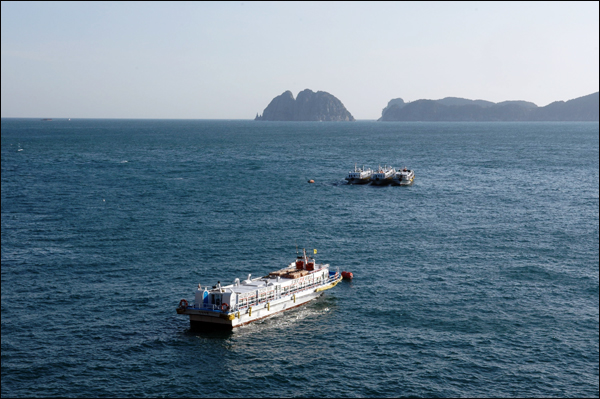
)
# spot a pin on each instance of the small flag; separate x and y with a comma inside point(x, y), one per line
point(315, 251)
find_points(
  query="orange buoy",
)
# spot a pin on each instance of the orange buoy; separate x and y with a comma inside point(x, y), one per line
point(311, 181)
point(347, 275)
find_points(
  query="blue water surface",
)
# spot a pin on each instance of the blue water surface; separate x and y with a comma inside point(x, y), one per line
point(479, 280)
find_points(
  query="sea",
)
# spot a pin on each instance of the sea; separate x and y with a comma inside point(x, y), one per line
point(479, 280)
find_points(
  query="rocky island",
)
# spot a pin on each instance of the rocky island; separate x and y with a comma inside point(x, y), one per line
point(308, 106)
point(460, 109)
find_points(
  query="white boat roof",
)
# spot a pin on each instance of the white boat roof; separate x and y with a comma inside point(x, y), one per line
point(263, 282)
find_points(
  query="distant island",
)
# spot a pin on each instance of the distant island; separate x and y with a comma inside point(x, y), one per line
point(308, 106)
point(460, 109)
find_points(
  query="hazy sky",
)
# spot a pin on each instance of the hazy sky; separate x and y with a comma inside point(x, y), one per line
point(228, 60)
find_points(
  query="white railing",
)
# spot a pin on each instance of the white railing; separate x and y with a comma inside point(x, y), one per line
point(290, 292)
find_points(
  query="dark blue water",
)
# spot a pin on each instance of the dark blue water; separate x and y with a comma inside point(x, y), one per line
point(481, 279)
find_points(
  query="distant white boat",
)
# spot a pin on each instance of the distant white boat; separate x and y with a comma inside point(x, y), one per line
point(404, 177)
point(359, 176)
point(383, 175)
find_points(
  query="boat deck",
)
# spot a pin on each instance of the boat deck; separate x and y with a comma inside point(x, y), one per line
point(270, 280)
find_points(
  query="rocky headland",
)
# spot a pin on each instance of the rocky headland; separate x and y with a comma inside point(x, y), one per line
point(308, 106)
point(460, 109)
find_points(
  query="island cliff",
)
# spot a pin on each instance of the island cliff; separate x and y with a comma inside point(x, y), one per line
point(459, 109)
point(308, 106)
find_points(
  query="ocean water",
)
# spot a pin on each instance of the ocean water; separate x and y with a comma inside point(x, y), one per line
point(480, 279)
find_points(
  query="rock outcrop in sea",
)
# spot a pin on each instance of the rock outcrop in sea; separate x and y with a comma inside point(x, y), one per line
point(308, 106)
point(460, 109)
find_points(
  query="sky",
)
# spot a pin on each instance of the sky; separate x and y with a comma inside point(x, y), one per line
point(228, 60)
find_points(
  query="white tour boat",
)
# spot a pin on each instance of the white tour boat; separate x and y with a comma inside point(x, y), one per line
point(240, 303)
point(359, 176)
point(404, 177)
point(383, 175)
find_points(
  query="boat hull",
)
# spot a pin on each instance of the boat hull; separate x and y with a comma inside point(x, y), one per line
point(207, 323)
point(358, 181)
point(220, 321)
point(403, 182)
point(381, 182)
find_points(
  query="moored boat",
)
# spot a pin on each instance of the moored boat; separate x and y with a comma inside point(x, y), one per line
point(383, 175)
point(359, 176)
point(240, 303)
point(404, 177)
